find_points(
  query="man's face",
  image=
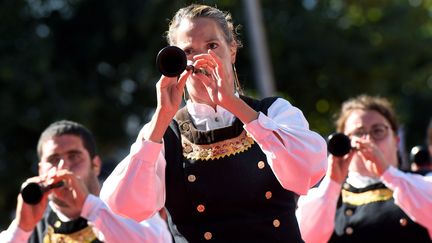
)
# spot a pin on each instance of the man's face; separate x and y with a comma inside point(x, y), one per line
point(68, 152)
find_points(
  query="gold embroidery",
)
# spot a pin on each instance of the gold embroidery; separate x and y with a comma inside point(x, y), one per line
point(85, 235)
point(217, 150)
point(362, 198)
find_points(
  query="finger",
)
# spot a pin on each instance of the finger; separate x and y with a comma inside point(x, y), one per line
point(165, 82)
point(208, 81)
point(219, 65)
point(215, 57)
point(210, 60)
point(181, 82)
point(36, 179)
point(204, 64)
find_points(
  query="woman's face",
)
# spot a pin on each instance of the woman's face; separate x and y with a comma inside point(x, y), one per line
point(371, 125)
point(197, 36)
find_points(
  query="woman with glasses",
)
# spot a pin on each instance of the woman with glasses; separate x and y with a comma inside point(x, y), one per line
point(364, 197)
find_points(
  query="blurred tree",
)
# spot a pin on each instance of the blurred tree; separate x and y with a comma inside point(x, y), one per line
point(93, 62)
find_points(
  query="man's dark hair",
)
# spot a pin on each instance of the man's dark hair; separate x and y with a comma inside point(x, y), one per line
point(65, 127)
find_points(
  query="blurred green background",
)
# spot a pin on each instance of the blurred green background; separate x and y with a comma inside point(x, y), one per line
point(93, 61)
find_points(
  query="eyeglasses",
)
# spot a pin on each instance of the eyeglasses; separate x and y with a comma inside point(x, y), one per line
point(377, 132)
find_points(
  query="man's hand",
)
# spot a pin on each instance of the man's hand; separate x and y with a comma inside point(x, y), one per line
point(70, 197)
point(27, 216)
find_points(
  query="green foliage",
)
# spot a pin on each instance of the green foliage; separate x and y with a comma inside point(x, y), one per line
point(93, 62)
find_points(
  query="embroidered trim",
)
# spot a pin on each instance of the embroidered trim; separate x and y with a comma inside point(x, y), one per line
point(85, 235)
point(217, 150)
point(362, 198)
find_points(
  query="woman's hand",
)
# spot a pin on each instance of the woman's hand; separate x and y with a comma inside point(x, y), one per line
point(338, 167)
point(372, 156)
point(170, 92)
point(169, 96)
point(219, 86)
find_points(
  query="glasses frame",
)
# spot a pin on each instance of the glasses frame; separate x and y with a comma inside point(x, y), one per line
point(373, 132)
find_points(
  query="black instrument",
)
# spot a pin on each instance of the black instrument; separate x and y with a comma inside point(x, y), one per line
point(171, 61)
point(338, 144)
point(420, 155)
point(32, 192)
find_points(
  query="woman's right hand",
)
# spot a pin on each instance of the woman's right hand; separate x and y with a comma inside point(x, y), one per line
point(170, 92)
point(338, 167)
point(169, 96)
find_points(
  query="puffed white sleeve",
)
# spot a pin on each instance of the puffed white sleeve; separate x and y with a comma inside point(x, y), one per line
point(14, 234)
point(413, 194)
point(114, 228)
point(136, 187)
point(297, 155)
point(316, 211)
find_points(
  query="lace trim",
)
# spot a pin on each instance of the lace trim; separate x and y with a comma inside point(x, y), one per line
point(85, 235)
point(217, 150)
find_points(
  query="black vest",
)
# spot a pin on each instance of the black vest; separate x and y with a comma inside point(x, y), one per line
point(219, 186)
point(51, 227)
point(370, 215)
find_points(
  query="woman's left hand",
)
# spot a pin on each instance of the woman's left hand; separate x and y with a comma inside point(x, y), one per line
point(218, 85)
point(371, 155)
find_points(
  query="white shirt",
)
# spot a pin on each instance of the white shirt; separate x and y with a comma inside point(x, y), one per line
point(136, 187)
point(205, 118)
point(316, 211)
point(107, 226)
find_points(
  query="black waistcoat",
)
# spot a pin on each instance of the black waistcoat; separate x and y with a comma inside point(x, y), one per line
point(370, 215)
point(77, 230)
point(220, 188)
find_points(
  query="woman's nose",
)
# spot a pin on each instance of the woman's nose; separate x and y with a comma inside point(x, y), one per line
point(200, 51)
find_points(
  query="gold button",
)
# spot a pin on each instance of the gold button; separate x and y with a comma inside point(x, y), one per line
point(348, 212)
point(200, 208)
point(403, 221)
point(191, 178)
point(208, 235)
point(349, 230)
point(268, 194)
point(57, 224)
point(261, 165)
point(276, 223)
point(185, 127)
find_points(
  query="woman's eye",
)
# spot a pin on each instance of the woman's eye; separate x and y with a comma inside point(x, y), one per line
point(213, 46)
point(188, 51)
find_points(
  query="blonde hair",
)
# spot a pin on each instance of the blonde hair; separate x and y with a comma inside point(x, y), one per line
point(223, 19)
point(366, 102)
